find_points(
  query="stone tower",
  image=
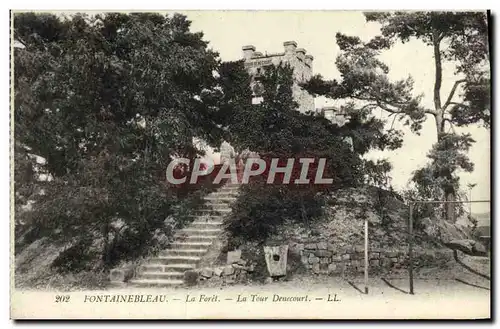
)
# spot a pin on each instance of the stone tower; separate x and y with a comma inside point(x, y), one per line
point(301, 63)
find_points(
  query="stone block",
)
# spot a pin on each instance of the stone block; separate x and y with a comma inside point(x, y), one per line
point(207, 273)
point(250, 268)
point(332, 268)
point(359, 249)
point(346, 256)
point(323, 253)
point(191, 278)
point(337, 258)
point(391, 254)
point(228, 270)
point(315, 268)
point(374, 262)
point(300, 246)
point(122, 274)
point(304, 259)
point(311, 246)
point(375, 255)
point(357, 256)
point(322, 245)
point(324, 260)
point(218, 271)
point(233, 256)
point(313, 260)
point(330, 247)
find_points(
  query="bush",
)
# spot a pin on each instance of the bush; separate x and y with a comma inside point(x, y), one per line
point(261, 208)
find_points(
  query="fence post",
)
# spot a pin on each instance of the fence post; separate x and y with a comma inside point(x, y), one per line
point(410, 247)
point(366, 256)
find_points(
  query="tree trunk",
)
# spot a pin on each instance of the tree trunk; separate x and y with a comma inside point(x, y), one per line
point(449, 192)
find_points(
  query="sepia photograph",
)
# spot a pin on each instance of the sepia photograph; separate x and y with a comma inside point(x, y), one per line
point(228, 164)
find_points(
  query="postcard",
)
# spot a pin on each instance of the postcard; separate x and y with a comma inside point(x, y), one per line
point(250, 165)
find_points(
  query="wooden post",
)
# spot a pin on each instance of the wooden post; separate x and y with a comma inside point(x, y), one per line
point(366, 255)
point(410, 247)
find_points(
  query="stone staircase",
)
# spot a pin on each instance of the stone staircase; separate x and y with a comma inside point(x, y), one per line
point(191, 243)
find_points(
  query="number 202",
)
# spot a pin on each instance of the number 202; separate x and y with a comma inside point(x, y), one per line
point(62, 298)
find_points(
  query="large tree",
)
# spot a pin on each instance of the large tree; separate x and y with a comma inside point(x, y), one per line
point(458, 37)
point(107, 101)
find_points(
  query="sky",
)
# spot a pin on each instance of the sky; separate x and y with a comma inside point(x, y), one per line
point(228, 31)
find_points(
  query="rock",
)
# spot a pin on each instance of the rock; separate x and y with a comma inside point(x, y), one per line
point(464, 246)
point(374, 262)
point(233, 256)
point(268, 280)
point(479, 249)
point(123, 274)
point(207, 273)
point(391, 254)
point(323, 253)
point(324, 260)
point(242, 262)
point(337, 258)
point(218, 271)
point(250, 268)
point(322, 245)
point(238, 266)
point(359, 249)
point(299, 246)
point(330, 247)
point(332, 268)
point(313, 260)
point(228, 270)
point(190, 278)
point(443, 230)
point(310, 246)
point(315, 268)
point(375, 255)
point(346, 257)
point(304, 259)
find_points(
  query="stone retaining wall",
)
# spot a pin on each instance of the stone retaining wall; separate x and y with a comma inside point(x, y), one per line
point(324, 258)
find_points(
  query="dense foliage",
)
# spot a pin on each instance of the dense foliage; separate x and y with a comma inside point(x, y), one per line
point(107, 101)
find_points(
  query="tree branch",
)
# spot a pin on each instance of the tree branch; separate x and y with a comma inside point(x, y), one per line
point(459, 104)
point(452, 93)
point(439, 73)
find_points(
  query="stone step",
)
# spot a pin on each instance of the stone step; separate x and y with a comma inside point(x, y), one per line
point(207, 217)
point(195, 231)
point(205, 225)
point(194, 238)
point(217, 206)
point(223, 194)
point(215, 199)
point(159, 268)
point(190, 245)
point(183, 252)
point(210, 211)
point(156, 283)
point(161, 276)
point(165, 268)
point(171, 259)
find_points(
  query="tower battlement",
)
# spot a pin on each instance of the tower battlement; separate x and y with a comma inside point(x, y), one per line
point(297, 58)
